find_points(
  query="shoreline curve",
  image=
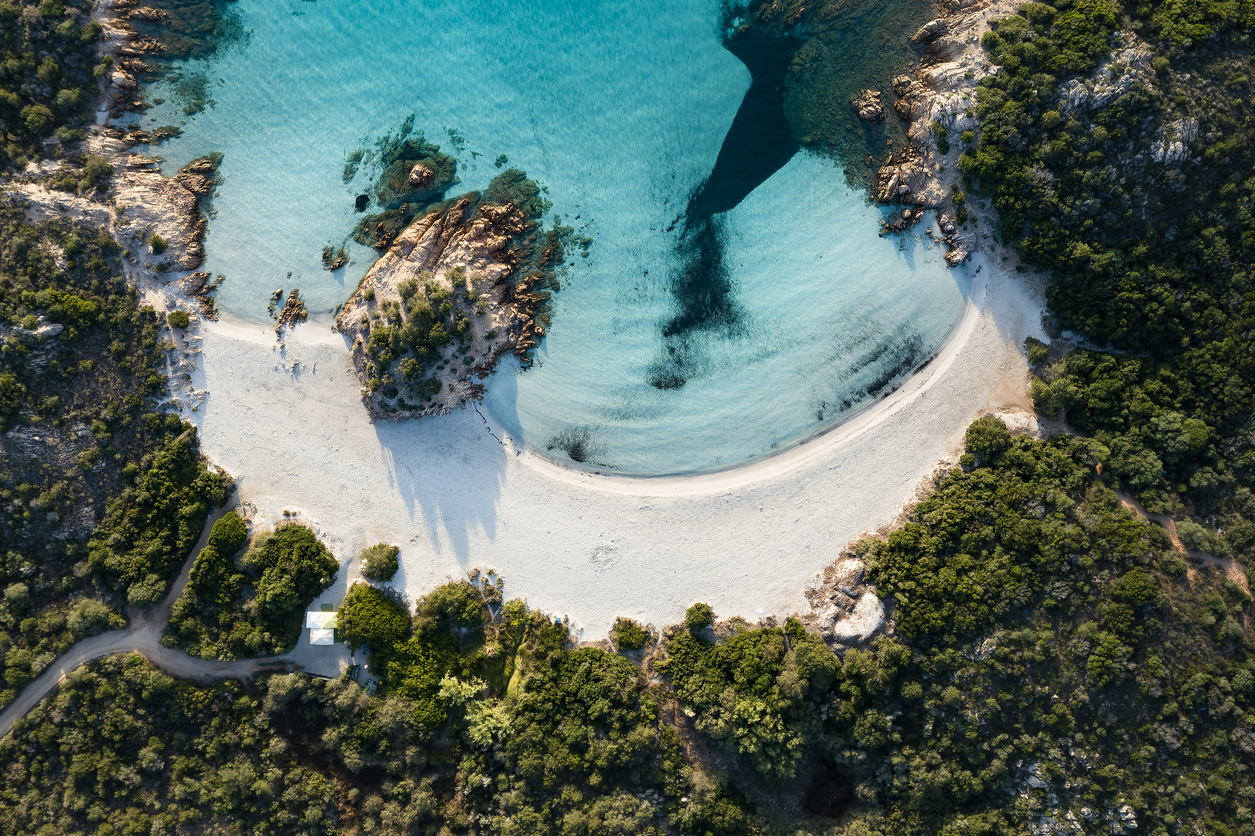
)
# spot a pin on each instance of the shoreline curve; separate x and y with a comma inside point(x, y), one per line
point(798, 454)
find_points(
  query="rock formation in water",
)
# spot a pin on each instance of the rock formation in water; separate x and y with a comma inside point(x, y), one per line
point(939, 102)
point(464, 283)
point(869, 106)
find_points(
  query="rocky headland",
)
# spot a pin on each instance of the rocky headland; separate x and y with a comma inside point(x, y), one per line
point(939, 103)
point(160, 222)
point(463, 283)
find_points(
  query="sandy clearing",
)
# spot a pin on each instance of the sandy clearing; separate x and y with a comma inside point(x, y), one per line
point(454, 496)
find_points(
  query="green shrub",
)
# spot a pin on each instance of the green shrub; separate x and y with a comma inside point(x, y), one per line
point(699, 616)
point(179, 319)
point(628, 635)
point(454, 604)
point(369, 616)
point(87, 618)
point(1037, 351)
point(291, 568)
point(158, 244)
point(228, 533)
point(379, 562)
point(987, 438)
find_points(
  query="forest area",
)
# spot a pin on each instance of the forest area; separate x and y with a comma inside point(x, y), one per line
point(1057, 664)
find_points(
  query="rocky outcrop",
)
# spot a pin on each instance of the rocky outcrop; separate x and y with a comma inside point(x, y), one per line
point(938, 100)
point(420, 175)
point(170, 207)
point(844, 608)
point(869, 106)
point(200, 288)
point(1126, 67)
point(293, 312)
point(931, 31)
point(459, 287)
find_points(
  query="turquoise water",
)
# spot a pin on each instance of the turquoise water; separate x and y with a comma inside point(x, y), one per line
point(620, 110)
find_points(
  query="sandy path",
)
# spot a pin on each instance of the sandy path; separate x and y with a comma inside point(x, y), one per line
point(1232, 569)
point(142, 636)
point(455, 492)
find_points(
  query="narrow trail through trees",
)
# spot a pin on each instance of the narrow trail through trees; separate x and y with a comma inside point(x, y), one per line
point(143, 636)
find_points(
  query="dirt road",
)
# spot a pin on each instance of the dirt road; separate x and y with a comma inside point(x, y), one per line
point(143, 636)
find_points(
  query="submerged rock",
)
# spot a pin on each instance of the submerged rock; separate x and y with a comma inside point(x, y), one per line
point(869, 106)
point(333, 259)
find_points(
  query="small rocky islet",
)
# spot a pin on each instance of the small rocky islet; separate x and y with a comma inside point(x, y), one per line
point(460, 281)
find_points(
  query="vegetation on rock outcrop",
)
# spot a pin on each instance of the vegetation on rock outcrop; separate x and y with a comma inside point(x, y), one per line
point(1122, 161)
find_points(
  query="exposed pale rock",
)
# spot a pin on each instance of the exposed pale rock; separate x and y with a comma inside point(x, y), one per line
point(167, 206)
point(1117, 74)
point(420, 175)
point(859, 626)
point(931, 31)
point(122, 80)
point(869, 106)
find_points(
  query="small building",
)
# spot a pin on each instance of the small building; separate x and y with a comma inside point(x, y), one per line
point(321, 627)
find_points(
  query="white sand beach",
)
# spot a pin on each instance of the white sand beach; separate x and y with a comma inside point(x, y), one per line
point(455, 493)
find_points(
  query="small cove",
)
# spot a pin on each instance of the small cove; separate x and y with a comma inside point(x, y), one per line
point(624, 113)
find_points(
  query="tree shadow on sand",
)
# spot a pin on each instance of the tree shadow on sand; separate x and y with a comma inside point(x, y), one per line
point(449, 472)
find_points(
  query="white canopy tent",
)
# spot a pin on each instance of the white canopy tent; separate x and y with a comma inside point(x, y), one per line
point(321, 636)
point(320, 620)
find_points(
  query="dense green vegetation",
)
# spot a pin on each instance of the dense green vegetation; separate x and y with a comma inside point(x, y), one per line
point(379, 562)
point(629, 635)
point(79, 366)
point(1054, 656)
point(1150, 248)
point(249, 604)
point(122, 748)
point(49, 68)
point(149, 530)
point(497, 724)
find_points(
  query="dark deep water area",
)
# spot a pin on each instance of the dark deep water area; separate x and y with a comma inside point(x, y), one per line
point(799, 93)
point(758, 144)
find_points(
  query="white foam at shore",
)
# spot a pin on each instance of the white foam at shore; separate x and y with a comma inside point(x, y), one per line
point(455, 497)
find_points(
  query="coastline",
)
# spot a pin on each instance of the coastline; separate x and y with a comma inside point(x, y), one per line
point(801, 452)
point(287, 420)
point(937, 101)
point(453, 496)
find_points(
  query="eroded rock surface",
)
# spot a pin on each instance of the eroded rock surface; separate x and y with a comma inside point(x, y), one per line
point(844, 607)
point(939, 101)
point(170, 207)
point(459, 287)
point(869, 106)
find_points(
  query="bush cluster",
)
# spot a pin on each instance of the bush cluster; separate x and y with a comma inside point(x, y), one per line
point(250, 603)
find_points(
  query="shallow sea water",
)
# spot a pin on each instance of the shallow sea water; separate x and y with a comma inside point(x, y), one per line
point(620, 110)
